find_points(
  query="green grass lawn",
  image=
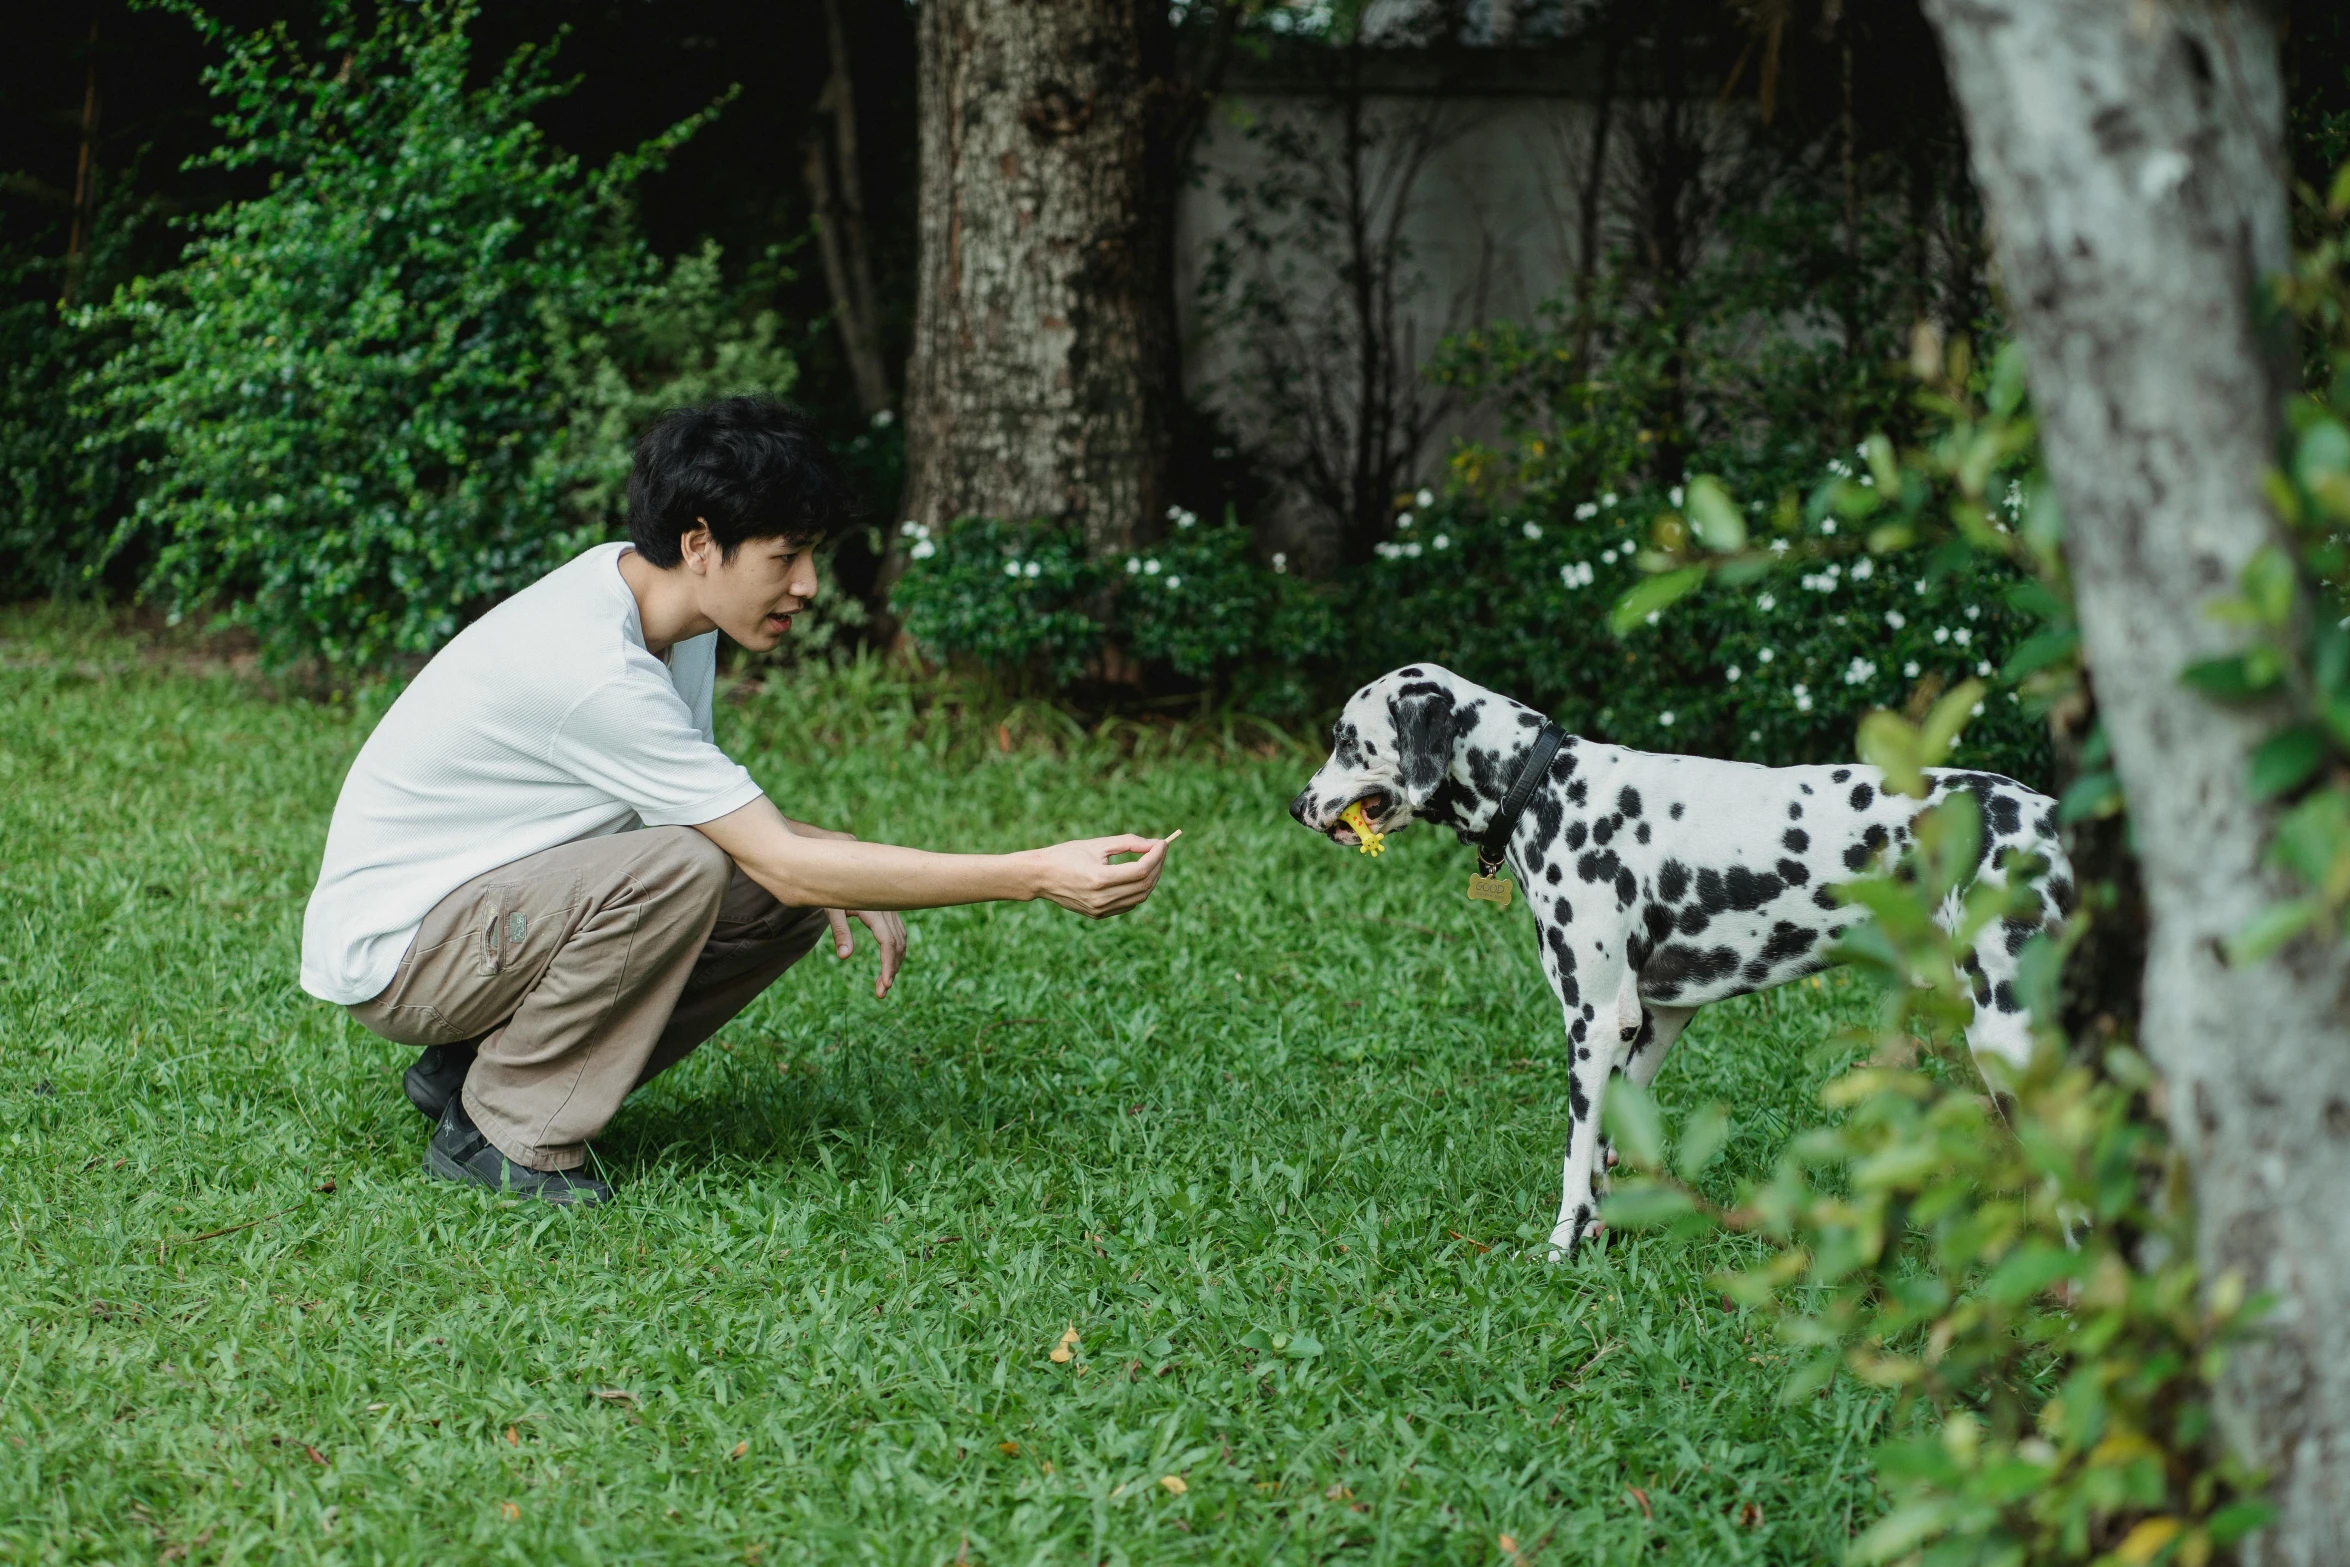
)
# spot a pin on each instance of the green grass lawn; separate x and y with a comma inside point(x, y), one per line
point(1281, 1148)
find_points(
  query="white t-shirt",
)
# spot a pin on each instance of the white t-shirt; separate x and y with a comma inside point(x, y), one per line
point(542, 723)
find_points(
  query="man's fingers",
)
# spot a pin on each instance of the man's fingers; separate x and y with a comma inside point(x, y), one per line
point(843, 942)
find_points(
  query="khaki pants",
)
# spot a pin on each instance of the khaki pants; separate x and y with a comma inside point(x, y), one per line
point(581, 972)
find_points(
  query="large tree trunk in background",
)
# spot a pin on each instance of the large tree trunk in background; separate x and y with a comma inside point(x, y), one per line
point(2131, 158)
point(1043, 371)
point(834, 170)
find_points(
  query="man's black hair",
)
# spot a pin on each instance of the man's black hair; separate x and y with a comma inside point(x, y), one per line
point(749, 467)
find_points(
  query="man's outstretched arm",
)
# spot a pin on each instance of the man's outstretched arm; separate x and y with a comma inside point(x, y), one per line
point(809, 868)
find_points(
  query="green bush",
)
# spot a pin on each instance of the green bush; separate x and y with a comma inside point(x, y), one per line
point(399, 384)
point(1022, 599)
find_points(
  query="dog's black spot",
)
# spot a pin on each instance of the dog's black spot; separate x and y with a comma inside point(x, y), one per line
point(1862, 794)
point(1551, 875)
point(1636, 949)
point(1672, 882)
point(1736, 888)
point(1599, 865)
point(1787, 940)
point(1578, 791)
point(1794, 811)
point(1583, 1053)
point(1806, 788)
point(1604, 829)
point(1408, 672)
point(1678, 966)
point(1346, 746)
point(1578, 1102)
point(2060, 890)
point(1641, 832)
point(2006, 814)
point(1627, 888)
point(1659, 922)
point(2017, 932)
point(1562, 765)
point(1576, 833)
point(2003, 997)
point(1796, 840)
point(1587, 1012)
point(1677, 808)
point(1529, 721)
point(1556, 939)
point(1824, 897)
point(1579, 1031)
point(1857, 856)
point(1694, 919)
point(1839, 775)
point(2045, 827)
point(1793, 872)
point(1628, 802)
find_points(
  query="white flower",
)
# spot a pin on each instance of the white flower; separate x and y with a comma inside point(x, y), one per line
point(1941, 634)
point(1609, 499)
point(1764, 655)
point(1174, 581)
point(1731, 674)
point(1765, 602)
point(1011, 568)
point(1676, 495)
point(1983, 667)
point(1281, 562)
point(1665, 718)
point(884, 419)
point(1586, 511)
point(1607, 557)
point(1802, 699)
point(1976, 710)
point(1575, 574)
point(1403, 519)
point(1862, 570)
point(1921, 587)
point(1532, 529)
point(923, 549)
point(1910, 669)
point(1962, 636)
point(1974, 612)
point(1895, 619)
point(1859, 672)
point(1032, 569)
point(1655, 615)
point(1827, 525)
point(1150, 568)
point(1440, 541)
point(909, 528)
point(1133, 564)
point(1412, 550)
point(1778, 546)
point(1426, 499)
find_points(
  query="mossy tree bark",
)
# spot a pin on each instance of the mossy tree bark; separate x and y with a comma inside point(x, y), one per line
point(2131, 158)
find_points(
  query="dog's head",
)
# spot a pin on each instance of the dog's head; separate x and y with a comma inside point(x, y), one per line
point(1403, 747)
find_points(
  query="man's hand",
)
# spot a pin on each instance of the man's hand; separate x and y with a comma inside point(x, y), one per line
point(888, 929)
point(1079, 875)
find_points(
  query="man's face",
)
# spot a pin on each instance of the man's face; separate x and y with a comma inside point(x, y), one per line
point(752, 597)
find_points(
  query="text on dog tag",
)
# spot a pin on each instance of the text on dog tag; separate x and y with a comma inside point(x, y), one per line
point(1490, 889)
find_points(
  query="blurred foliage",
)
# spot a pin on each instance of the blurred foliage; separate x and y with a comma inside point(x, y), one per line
point(400, 383)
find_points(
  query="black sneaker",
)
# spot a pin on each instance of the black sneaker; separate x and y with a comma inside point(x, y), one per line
point(437, 1075)
point(459, 1152)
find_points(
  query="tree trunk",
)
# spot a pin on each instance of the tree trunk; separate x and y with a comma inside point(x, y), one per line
point(1043, 366)
point(2131, 159)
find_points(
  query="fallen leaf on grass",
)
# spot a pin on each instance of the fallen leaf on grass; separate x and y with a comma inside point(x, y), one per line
point(1338, 1493)
point(1750, 1515)
point(1641, 1497)
point(513, 1437)
point(614, 1395)
point(740, 1448)
point(1174, 1483)
point(1066, 1349)
point(1008, 1449)
point(511, 1511)
point(316, 1456)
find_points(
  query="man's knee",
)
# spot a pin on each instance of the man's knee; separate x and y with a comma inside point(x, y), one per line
point(681, 864)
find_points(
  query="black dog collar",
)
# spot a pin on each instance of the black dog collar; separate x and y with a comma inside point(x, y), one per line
point(1494, 847)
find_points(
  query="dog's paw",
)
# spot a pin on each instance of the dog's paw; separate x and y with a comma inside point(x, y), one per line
point(1584, 1229)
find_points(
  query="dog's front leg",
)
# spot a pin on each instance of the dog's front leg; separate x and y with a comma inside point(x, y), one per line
point(1595, 1040)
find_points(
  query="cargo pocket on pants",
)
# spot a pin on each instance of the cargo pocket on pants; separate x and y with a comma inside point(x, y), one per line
point(500, 931)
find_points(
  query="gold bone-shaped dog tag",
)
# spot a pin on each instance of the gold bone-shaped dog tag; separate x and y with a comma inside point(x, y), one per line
point(1490, 889)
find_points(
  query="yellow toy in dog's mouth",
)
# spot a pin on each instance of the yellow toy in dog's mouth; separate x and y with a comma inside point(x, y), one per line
point(1373, 840)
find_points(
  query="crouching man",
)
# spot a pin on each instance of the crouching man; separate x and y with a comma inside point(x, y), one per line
point(544, 873)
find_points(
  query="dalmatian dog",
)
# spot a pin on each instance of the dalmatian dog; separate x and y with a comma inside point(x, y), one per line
point(1660, 883)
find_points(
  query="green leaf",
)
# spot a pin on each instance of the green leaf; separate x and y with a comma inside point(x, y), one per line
point(2235, 677)
point(2031, 1270)
point(2238, 1519)
point(2287, 760)
point(2039, 652)
point(1630, 1117)
point(1882, 468)
point(1891, 744)
point(2269, 580)
point(1302, 1346)
point(1949, 716)
point(1703, 1137)
point(2272, 927)
point(1646, 1207)
point(1714, 515)
point(1900, 1531)
point(1652, 596)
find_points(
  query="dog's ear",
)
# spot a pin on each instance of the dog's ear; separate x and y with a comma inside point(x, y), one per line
point(1426, 724)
